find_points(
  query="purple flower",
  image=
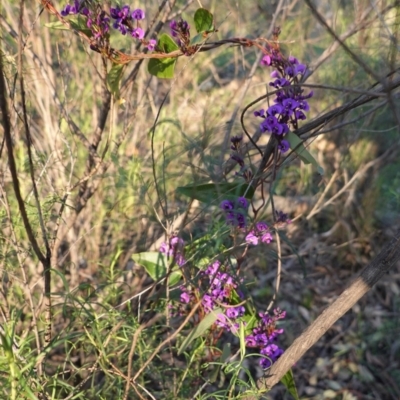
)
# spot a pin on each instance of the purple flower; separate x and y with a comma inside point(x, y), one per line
point(299, 115)
point(290, 104)
point(226, 205)
point(299, 69)
point(266, 238)
point(266, 60)
point(207, 302)
point(259, 233)
point(242, 202)
point(277, 129)
point(251, 238)
point(122, 17)
point(274, 109)
point(138, 33)
point(282, 217)
point(241, 220)
point(174, 248)
point(250, 341)
point(272, 351)
point(179, 28)
point(304, 105)
point(261, 226)
point(185, 297)
point(275, 74)
point(289, 71)
point(152, 44)
point(232, 313)
point(236, 140)
point(68, 9)
point(221, 321)
point(213, 268)
point(138, 14)
point(284, 146)
point(260, 113)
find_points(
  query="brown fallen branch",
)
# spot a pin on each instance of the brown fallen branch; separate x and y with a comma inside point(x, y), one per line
point(370, 275)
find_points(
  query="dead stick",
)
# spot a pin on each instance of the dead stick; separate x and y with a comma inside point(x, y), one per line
point(367, 278)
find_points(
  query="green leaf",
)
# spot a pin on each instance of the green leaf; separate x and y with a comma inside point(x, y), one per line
point(114, 76)
point(165, 44)
point(288, 381)
point(298, 147)
point(77, 23)
point(207, 321)
point(163, 67)
point(251, 323)
point(57, 25)
point(203, 20)
point(209, 192)
point(156, 265)
point(226, 353)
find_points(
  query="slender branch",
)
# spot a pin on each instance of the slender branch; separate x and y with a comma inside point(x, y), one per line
point(12, 165)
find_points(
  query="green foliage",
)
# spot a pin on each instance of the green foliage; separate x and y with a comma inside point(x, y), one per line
point(77, 23)
point(288, 381)
point(114, 77)
point(163, 67)
point(200, 329)
point(203, 20)
point(298, 147)
point(156, 265)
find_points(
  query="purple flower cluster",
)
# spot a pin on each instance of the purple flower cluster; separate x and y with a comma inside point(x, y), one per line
point(174, 248)
point(76, 8)
point(180, 30)
point(235, 212)
point(99, 24)
point(260, 233)
point(222, 289)
point(265, 335)
point(290, 104)
point(124, 20)
point(221, 285)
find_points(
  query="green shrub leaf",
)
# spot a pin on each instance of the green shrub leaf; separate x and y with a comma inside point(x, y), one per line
point(79, 24)
point(296, 144)
point(206, 322)
point(288, 381)
point(156, 265)
point(114, 76)
point(203, 20)
point(163, 67)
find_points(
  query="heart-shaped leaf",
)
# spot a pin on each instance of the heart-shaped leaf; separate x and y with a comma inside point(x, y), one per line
point(163, 67)
point(156, 264)
point(203, 20)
